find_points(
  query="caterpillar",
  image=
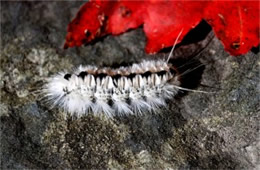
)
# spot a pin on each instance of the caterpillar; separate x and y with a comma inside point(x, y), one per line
point(122, 91)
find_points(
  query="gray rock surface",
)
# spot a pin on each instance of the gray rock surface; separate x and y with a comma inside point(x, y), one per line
point(197, 131)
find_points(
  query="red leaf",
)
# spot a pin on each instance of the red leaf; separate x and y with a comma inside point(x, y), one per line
point(236, 24)
point(166, 19)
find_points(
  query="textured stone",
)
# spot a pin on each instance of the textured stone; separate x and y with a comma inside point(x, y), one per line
point(217, 130)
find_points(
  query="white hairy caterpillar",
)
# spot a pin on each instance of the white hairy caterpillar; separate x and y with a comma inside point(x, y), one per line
point(122, 91)
point(126, 90)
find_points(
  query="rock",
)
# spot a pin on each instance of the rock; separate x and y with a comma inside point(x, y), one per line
point(217, 130)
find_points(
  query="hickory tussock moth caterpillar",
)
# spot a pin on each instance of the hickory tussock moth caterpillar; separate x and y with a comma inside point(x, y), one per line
point(126, 90)
point(122, 91)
